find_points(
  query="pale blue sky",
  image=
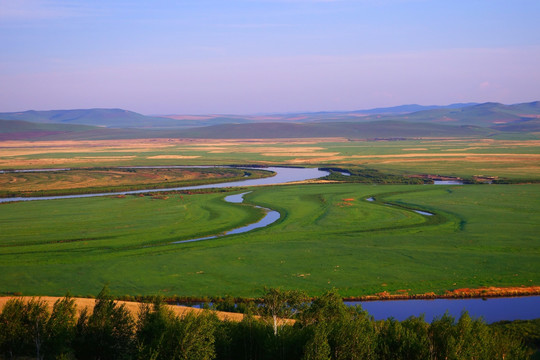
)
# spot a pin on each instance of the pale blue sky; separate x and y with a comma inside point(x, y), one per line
point(255, 56)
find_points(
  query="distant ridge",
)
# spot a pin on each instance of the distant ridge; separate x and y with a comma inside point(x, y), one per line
point(402, 109)
point(363, 130)
point(484, 119)
point(113, 118)
point(24, 130)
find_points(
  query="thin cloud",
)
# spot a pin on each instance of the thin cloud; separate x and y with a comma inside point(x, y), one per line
point(42, 10)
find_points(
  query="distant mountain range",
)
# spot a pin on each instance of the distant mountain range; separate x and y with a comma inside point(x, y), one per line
point(487, 119)
point(110, 118)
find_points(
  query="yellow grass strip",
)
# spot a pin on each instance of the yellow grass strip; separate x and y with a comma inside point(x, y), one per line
point(133, 307)
point(173, 157)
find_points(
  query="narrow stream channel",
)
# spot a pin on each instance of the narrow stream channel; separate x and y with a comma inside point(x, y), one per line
point(270, 217)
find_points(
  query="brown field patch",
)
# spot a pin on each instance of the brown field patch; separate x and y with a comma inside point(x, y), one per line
point(315, 160)
point(76, 179)
point(465, 149)
point(173, 157)
point(269, 149)
point(299, 154)
point(60, 161)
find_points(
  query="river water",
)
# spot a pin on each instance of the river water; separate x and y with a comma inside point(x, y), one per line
point(283, 175)
point(490, 309)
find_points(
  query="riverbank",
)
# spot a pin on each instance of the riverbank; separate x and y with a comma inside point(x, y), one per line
point(465, 293)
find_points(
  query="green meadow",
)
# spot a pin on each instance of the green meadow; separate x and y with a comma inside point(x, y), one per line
point(328, 237)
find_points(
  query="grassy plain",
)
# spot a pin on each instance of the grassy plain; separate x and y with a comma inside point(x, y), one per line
point(481, 235)
point(513, 159)
point(328, 236)
point(114, 179)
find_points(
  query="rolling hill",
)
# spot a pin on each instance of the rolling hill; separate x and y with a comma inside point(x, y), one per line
point(370, 130)
point(488, 119)
point(486, 114)
point(22, 130)
point(111, 118)
point(25, 130)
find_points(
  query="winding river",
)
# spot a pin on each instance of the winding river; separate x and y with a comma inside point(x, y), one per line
point(491, 310)
point(282, 175)
point(271, 216)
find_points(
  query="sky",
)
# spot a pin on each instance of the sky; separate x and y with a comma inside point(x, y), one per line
point(266, 56)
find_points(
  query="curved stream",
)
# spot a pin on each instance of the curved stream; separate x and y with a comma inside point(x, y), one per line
point(270, 217)
point(282, 175)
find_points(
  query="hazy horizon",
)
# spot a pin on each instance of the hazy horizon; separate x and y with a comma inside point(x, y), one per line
point(266, 56)
point(259, 113)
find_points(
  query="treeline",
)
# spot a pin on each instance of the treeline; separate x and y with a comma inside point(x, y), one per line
point(371, 176)
point(324, 328)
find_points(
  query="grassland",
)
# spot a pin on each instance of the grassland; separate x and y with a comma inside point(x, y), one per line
point(78, 181)
point(328, 236)
point(512, 159)
point(480, 236)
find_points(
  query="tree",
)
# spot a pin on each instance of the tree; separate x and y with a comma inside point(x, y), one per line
point(317, 347)
point(60, 329)
point(281, 305)
point(163, 335)
point(442, 338)
point(326, 308)
point(152, 326)
point(353, 336)
point(107, 333)
point(192, 337)
point(36, 317)
point(13, 339)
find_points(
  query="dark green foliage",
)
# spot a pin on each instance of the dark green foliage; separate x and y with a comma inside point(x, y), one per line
point(353, 336)
point(152, 325)
point(398, 341)
point(471, 339)
point(327, 308)
point(13, 338)
point(528, 330)
point(29, 329)
point(162, 335)
point(337, 331)
point(247, 339)
point(317, 347)
point(60, 329)
point(107, 333)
